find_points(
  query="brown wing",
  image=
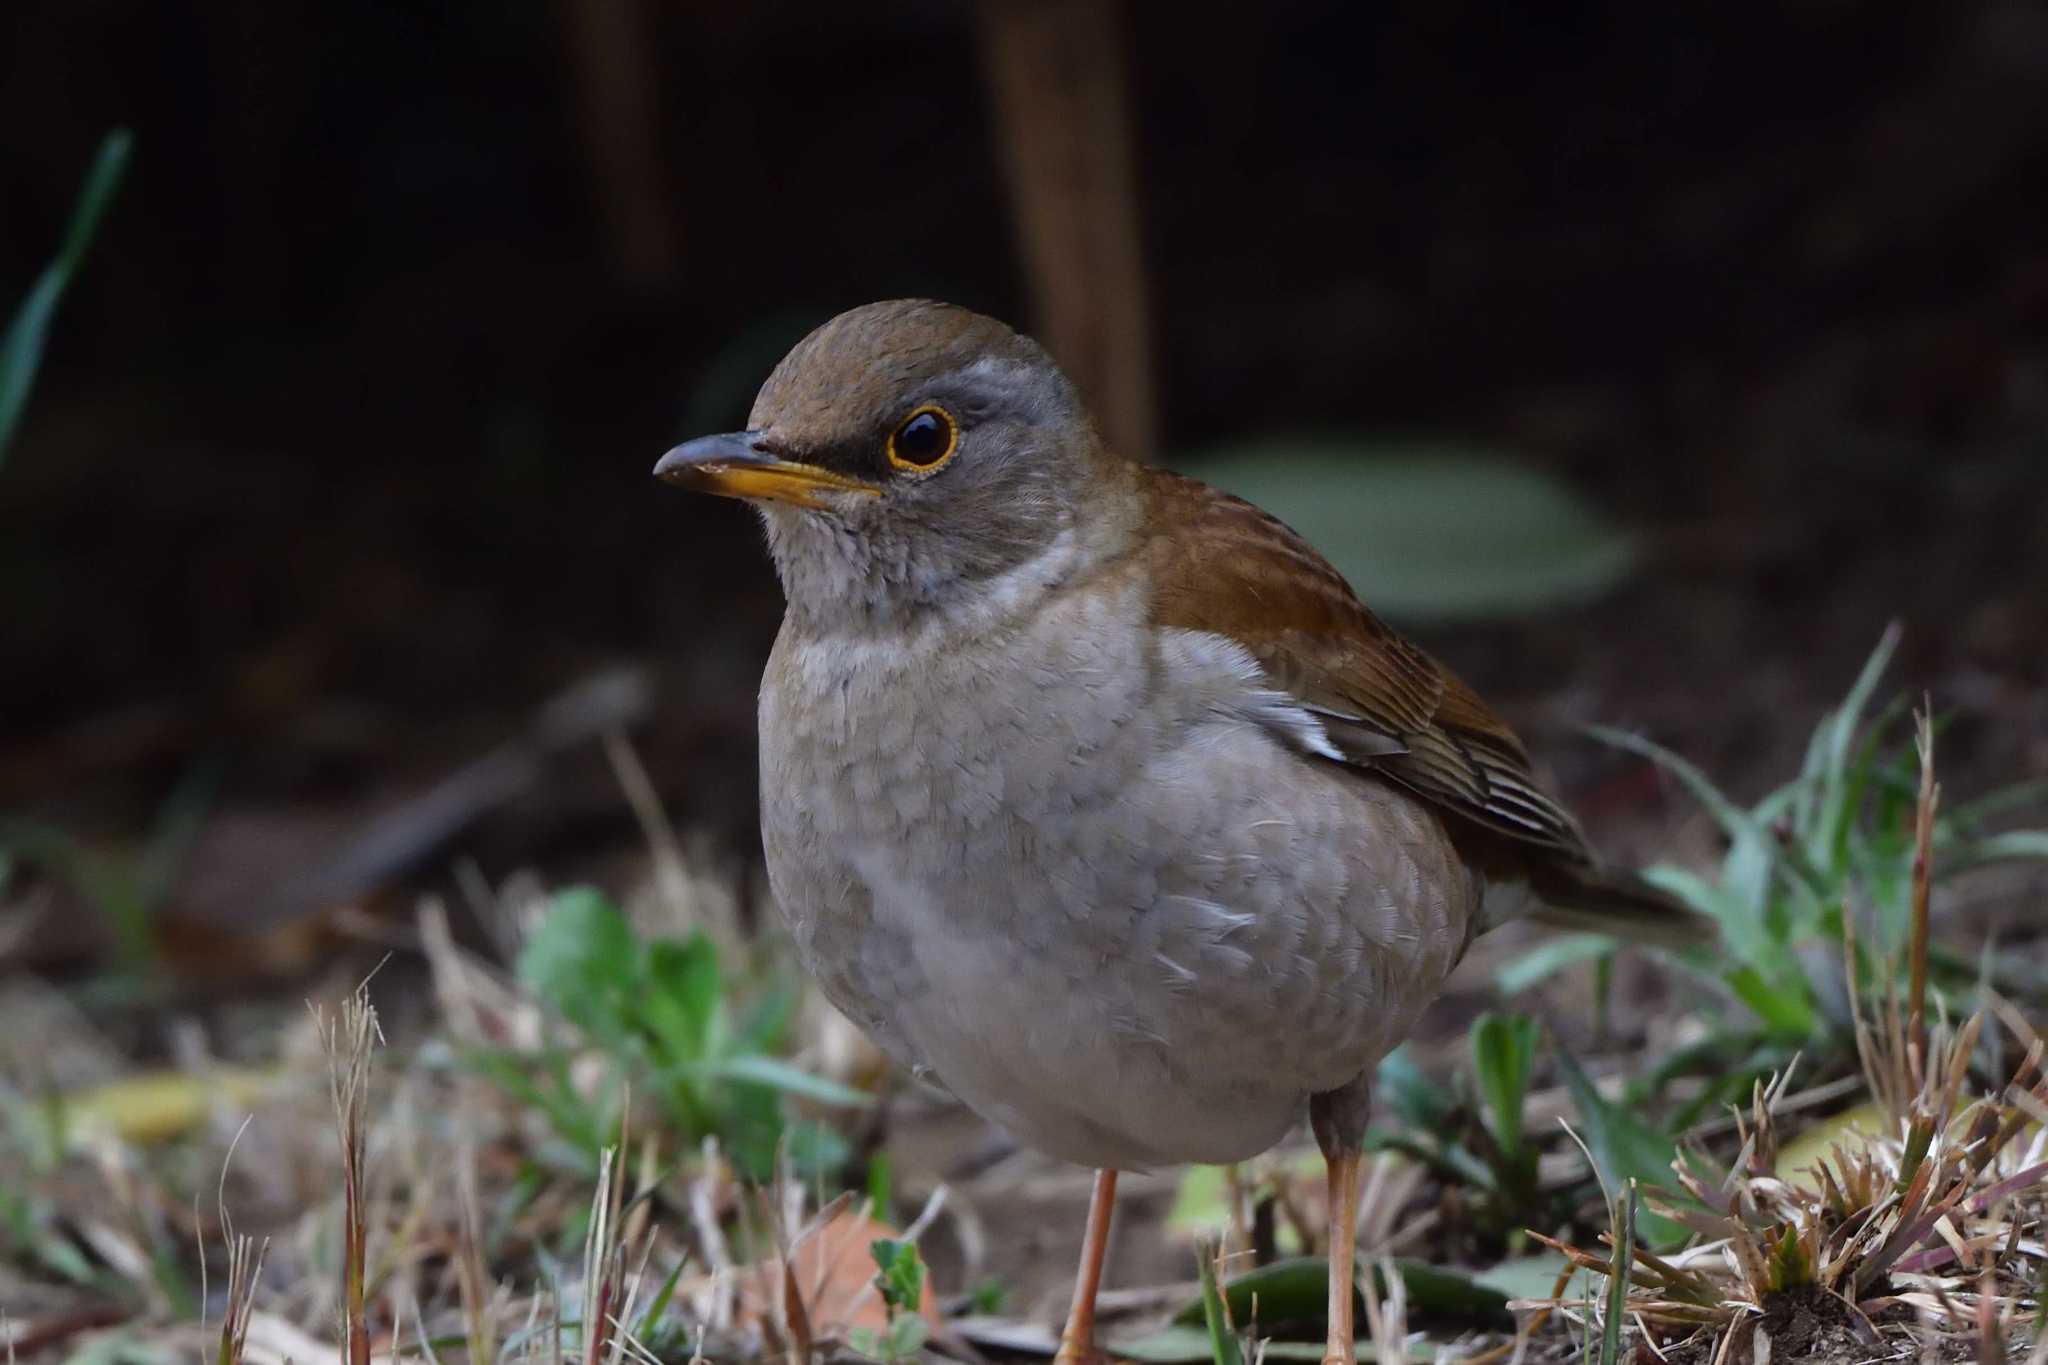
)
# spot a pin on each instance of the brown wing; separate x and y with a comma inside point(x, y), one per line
point(1229, 568)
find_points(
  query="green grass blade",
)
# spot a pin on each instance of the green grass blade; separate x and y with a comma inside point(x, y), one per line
point(21, 351)
point(1734, 821)
point(2018, 796)
point(2014, 845)
point(1838, 795)
point(1548, 958)
point(784, 1076)
point(1223, 1348)
point(1617, 1277)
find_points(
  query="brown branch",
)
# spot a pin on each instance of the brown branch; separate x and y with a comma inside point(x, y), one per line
point(1056, 73)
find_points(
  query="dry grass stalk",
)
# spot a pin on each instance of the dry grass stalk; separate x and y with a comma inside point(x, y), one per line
point(1926, 1218)
point(1923, 865)
point(245, 1270)
point(603, 1260)
point(472, 1279)
point(349, 1039)
point(1386, 1322)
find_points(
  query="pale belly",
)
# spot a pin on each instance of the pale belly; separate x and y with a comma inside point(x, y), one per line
point(1131, 941)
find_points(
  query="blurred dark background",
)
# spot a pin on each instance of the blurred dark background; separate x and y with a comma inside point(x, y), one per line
point(338, 466)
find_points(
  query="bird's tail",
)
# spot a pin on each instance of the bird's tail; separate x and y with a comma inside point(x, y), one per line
point(1612, 900)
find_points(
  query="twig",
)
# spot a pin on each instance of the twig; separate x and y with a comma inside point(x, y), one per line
point(1923, 869)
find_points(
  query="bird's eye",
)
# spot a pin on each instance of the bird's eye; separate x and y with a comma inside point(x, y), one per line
point(924, 440)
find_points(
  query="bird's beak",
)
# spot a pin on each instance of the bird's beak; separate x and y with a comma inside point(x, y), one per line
point(735, 466)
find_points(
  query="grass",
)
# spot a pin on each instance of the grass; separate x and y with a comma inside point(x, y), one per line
point(1839, 839)
point(618, 1151)
point(1922, 1231)
point(702, 1041)
point(22, 345)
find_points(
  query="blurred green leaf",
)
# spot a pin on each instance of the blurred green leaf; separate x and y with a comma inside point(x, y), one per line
point(682, 996)
point(584, 961)
point(1548, 958)
point(1432, 533)
point(901, 1277)
point(790, 1078)
point(21, 350)
point(1624, 1148)
point(1419, 1102)
point(1503, 1051)
point(1297, 1290)
point(2015, 845)
point(1176, 1343)
point(1533, 1277)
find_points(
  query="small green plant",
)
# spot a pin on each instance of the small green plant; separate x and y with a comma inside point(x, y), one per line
point(900, 1281)
point(1503, 1053)
point(1480, 1143)
point(1838, 835)
point(665, 1013)
point(1925, 1207)
point(1477, 1142)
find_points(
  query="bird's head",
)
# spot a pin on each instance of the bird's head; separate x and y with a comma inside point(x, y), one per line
point(905, 455)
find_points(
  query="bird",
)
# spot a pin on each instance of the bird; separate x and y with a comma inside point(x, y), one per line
point(1094, 794)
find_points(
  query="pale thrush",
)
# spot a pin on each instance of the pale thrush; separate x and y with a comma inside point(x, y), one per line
point(1094, 793)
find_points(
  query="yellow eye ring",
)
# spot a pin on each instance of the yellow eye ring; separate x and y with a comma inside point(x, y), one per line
point(924, 441)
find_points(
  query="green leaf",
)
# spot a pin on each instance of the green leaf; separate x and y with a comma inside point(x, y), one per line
point(658, 1305)
point(585, 1126)
point(2011, 846)
point(21, 350)
point(1548, 958)
point(1432, 533)
point(1784, 1006)
point(1297, 1290)
point(790, 1078)
point(1743, 932)
point(1624, 1147)
point(901, 1277)
point(1733, 820)
point(815, 1151)
point(2018, 796)
point(1177, 1344)
point(907, 1335)
point(1533, 1277)
point(1503, 1050)
point(1412, 1095)
point(584, 961)
point(680, 1001)
point(765, 1024)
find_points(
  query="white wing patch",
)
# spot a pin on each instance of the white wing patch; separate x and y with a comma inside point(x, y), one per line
point(1240, 687)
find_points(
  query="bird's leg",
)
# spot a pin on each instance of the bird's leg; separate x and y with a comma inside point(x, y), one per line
point(1343, 1184)
point(1338, 1119)
point(1077, 1343)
